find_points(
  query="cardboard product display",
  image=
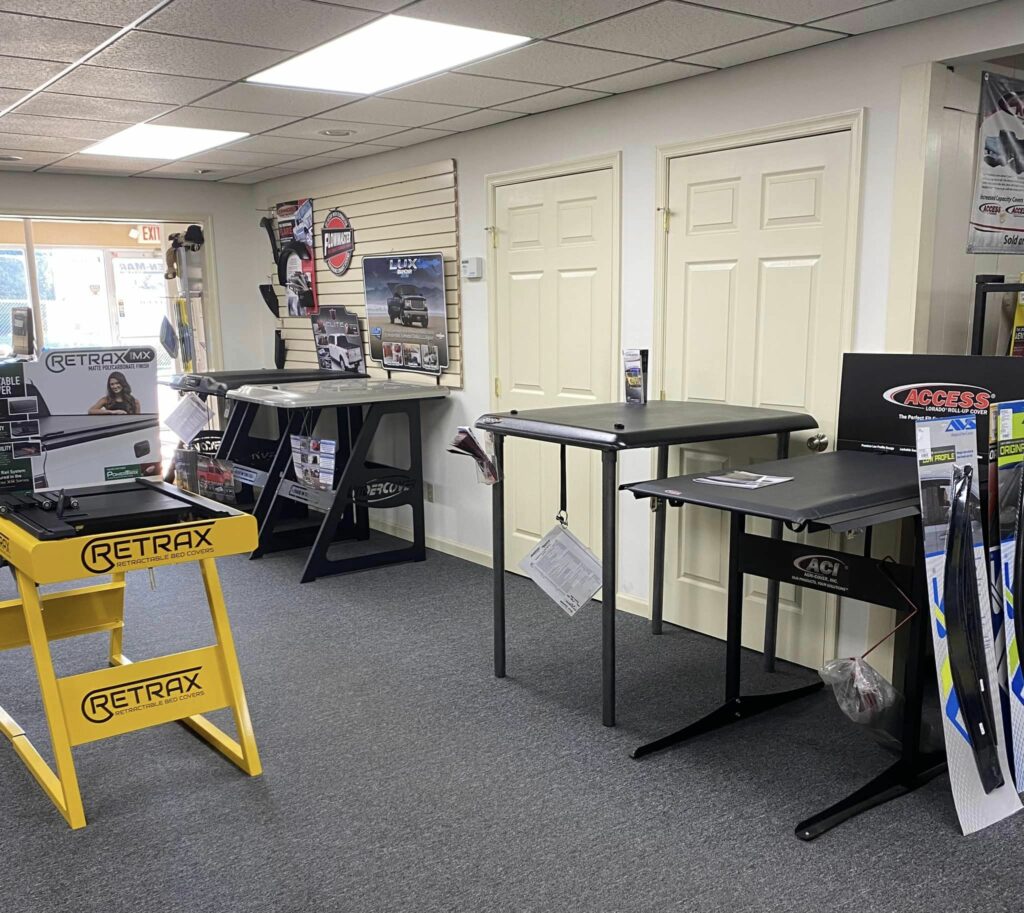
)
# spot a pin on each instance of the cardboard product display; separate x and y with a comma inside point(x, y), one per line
point(961, 621)
point(406, 311)
point(79, 417)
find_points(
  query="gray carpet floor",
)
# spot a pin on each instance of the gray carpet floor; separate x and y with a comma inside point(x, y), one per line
point(401, 776)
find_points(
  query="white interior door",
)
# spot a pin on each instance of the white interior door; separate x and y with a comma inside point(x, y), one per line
point(755, 285)
point(555, 332)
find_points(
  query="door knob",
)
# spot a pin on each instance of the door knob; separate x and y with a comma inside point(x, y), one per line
point(817, 443)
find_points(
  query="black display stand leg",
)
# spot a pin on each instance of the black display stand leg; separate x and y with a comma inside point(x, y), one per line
point(279, 468)
point(498, 555)
point(609, 505)
point(914, 767)
point(737, 706)
point(660, 509)
point(771, 601)
point(354, 478)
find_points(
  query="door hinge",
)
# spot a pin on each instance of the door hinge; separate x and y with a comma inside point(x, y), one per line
point(497, 388)
point(665, 213)
point(663, 397)
point(492, 230)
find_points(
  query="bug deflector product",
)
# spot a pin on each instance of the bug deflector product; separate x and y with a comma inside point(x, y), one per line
point(963, 631)
point(961, 621)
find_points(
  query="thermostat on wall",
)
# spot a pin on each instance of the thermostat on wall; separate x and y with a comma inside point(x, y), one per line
point(471, 267)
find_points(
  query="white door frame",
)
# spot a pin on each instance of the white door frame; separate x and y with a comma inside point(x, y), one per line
point(611, 161)
point(844, 121)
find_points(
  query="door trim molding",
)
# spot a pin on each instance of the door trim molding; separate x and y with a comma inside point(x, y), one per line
point(612, 162)
point(851, 122)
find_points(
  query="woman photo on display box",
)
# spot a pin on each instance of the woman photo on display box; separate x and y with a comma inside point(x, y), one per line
point(118, 399)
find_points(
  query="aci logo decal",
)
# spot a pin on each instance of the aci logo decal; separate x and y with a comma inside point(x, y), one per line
point(339, 240)
point(58, 362)
point(101, 704)
point(940, 397)
point(383, 489)
point(103, 553)
point(820, 567)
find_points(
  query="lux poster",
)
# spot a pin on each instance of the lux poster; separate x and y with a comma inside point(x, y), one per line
point(997, 210)
point(405, 312)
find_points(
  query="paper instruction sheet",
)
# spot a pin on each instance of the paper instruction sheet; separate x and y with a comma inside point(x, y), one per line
point(188, 418)
point(564, 568)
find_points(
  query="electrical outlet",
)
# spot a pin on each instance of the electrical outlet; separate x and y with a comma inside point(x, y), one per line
point(428, 491)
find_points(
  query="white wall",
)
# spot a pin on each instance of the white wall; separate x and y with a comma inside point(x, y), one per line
point(237, 244)
point(853, 73)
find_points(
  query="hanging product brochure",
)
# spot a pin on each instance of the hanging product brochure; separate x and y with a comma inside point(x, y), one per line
point(313, 459)
point(634, 363)
point(564, 568)
point(1010, 498)
point(338, 338)
point(188, 418)
point(406, 312)
point(997, 210)
point(961, 622)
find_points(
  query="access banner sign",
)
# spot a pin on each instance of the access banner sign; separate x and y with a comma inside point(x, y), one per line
point(997, 209)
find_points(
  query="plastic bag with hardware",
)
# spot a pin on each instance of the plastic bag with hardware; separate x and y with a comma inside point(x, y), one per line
point(862, 692)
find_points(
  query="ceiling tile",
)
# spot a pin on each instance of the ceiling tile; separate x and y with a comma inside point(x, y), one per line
point(104, 164)
point(560, 98)
point(558, 64)
point(293, 25)
point(254, 177)
point(53, 104)
point(274, 100)
point(281, 144)
point(23, 73)
point(670, 30)
point(395, 111)
point(214, 119)
point(111, 83)
point(476, 119)
point(104, 12)
point(766, 46)
point(648, 76)
point(170, 54)
point(223, 156)
point(536, 18)
point(37, 143)
point(798, 12)
point(412, 137)
point(49, 39)
point(58, 126)
point(471, 91)
point(29, 159)
point(186, 170)
point(311, 127)
point(380, 6)
point(895, 12)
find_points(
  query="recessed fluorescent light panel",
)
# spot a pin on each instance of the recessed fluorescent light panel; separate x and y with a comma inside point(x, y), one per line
point(387, 52)
point(153, 141)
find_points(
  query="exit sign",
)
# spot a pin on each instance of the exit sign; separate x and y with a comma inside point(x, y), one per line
point(149, 234)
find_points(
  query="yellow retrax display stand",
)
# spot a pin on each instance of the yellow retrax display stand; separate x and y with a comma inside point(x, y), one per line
point(90, 533)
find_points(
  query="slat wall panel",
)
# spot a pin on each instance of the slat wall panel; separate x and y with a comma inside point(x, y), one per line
point(410, 211)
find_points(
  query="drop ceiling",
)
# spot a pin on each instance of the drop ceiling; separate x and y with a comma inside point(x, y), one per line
point(78, 71)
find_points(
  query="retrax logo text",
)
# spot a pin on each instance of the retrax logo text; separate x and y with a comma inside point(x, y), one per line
point(100, 704)
point(58, 362)
point(940, 397)
point(102, 554)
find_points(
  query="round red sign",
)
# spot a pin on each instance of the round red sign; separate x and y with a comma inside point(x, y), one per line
point(339, 242)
